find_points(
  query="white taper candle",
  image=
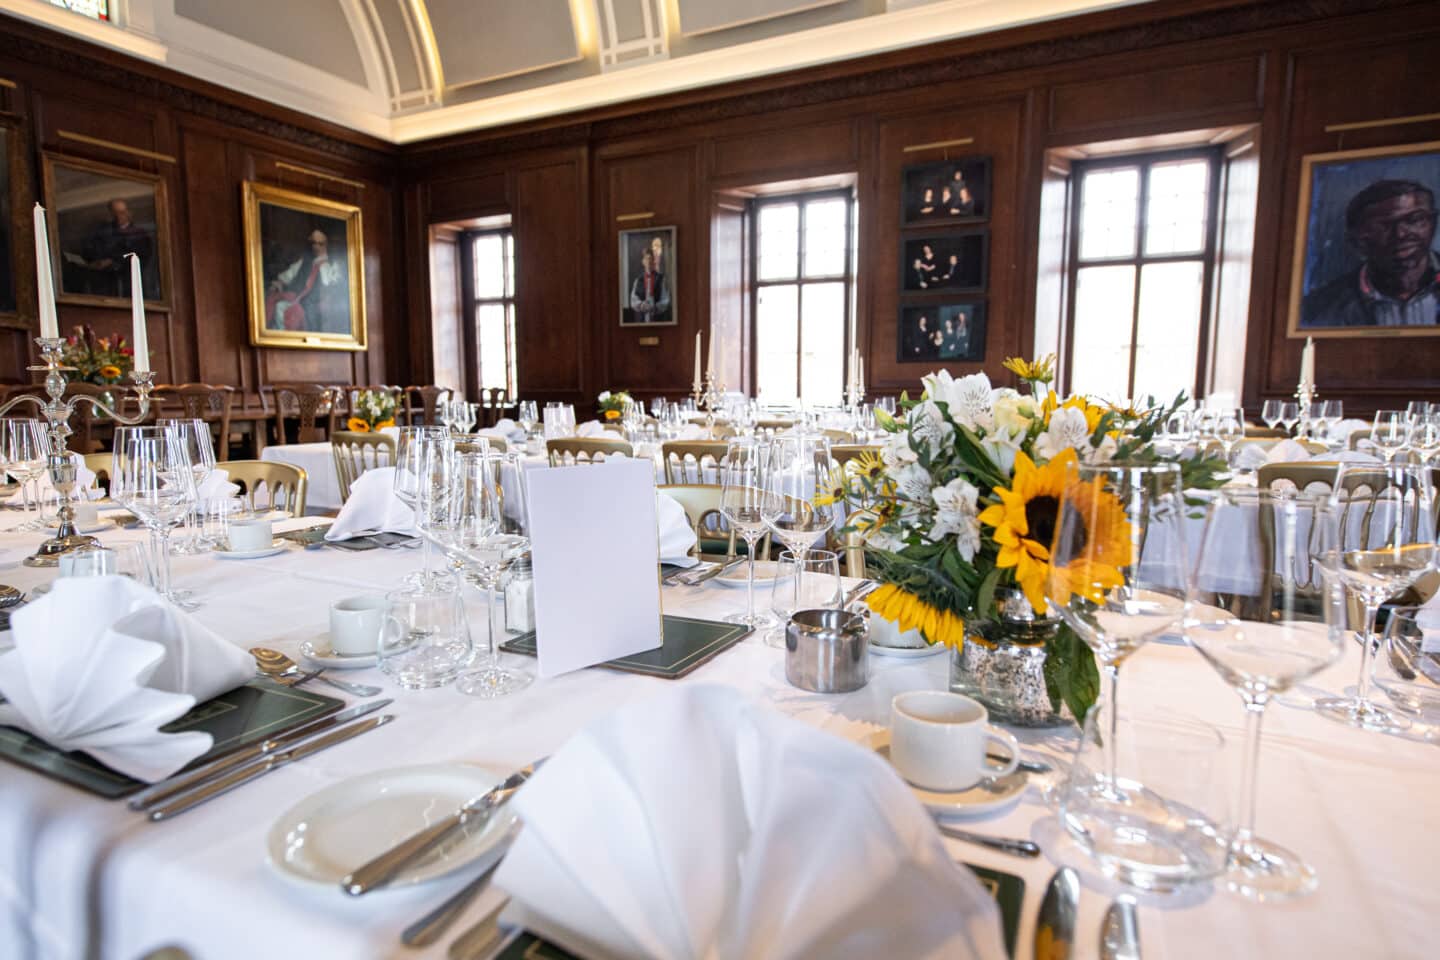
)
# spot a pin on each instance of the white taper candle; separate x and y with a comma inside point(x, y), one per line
point(44, 280)
point(140, 338)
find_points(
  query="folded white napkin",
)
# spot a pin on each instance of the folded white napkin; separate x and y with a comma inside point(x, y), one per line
point(677, 537)
point(1254, 455)
point(373, 508)
point(591, 429)
point(692, 431)
point(1342, 430)
point(101, 663)
point(509, 429)
point(217, 486)
point(84, 484)
point(715, 828)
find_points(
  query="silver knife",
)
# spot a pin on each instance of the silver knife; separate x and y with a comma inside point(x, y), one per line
point(1055, 928)
point(1120, 934)
point(429, 928)
point(384, 868)
point(160, 792)
point(259, 768)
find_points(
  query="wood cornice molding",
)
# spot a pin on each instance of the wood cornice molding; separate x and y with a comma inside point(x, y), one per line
point(29, 44)
point(985, 55)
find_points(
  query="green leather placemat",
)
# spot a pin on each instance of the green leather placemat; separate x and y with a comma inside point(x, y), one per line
point(688, 643)
point(1007, 889)
point(245, 715)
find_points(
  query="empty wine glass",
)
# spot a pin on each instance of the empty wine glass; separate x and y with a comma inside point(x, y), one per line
point(1264, 623)
point(151, 475)
point(1229, 429)
point(1416, 409)
point(1390, 432)
point(1425, 437)
point(1384, 540)
point(27, 447)
point(1408, 673)
point(795, 468)
point(195, 434)
point(528, 415)
point(1270, 412)
point(1289, 416)
point(418, 453)
point(742, 498)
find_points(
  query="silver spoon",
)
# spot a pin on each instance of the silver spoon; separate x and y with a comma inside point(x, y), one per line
point(276, 664)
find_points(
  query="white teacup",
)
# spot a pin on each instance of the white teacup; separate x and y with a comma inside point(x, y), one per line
point(355, 625)
point(251, 534)
point(938, 740)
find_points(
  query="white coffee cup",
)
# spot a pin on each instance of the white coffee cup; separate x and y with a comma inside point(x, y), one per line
point(355, 625)
point(938, 740)
point(251, 534)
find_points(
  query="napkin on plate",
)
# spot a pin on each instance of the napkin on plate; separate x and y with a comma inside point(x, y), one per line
point(1254, 455)
point(677, 537)
point(373, 508)
point(692, 431)
point(509, 429)
point(84, 484)
point(593, 429)
point(101, 663)
point(696, 824)
point(217, 486)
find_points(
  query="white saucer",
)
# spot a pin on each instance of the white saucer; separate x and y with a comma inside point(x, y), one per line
point(983, 799)
point(318, 651)
point(907, 653)
point(276, 546)
point(739, 575)
point(324, 837)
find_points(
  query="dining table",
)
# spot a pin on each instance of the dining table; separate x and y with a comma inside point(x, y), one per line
point(85, 877)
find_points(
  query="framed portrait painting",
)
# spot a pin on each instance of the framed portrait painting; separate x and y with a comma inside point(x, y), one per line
point(647, 277)
point(1366, 262)
point(100, 214)
point(305, 270)
point(939, 332)
point(955, 191)
point(948, 262)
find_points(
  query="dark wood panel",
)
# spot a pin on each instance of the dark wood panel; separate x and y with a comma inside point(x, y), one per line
point(463, 197)
point(778, 154)
point(1164, 96)
point(552, 252)
point(219, 281)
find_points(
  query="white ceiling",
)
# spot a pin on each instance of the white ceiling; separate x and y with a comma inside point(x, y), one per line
point(406, 70)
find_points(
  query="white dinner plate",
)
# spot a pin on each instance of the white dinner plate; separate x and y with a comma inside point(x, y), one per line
point(330, 833)
point(739, 575)
point(276, 546)
point(907, 653)
point(319, 651)
point(986, 797)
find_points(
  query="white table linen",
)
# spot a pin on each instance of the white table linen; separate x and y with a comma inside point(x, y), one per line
point(77, 872)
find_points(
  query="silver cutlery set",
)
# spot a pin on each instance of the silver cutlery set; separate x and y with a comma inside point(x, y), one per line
point(1055, 925)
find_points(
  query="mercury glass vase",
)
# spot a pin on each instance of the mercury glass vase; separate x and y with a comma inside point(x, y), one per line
point(1002, 664)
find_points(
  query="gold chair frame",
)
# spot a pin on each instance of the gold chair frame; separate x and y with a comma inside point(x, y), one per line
point(354, 453)
point(592, 449)
point(286, 483)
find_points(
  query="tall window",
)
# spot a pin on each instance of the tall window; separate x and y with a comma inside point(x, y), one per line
point(1143, 235)
point(95, 9)
point(492, 262)
point(804, 274)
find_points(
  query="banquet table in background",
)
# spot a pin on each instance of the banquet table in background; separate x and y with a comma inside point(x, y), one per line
point(83, 877)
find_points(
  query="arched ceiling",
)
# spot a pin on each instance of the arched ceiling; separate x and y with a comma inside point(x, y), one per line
point(406, 70)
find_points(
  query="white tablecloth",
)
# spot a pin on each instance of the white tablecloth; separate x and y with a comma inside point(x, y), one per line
point(80, 876)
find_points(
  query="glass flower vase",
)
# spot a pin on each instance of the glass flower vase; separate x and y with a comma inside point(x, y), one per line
point(1002, 664)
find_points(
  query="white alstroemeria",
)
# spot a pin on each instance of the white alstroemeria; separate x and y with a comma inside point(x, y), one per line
point(1001, 448)
point(1103, 453)
point(896, 452)
point(912, 482)
point(970, 399)
point(884, 539)
point(929, 426)
point(604, 395)
point(955, 516)
point(1068, 429)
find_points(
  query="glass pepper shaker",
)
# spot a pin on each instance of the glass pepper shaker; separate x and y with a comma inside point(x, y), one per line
point(520, 597)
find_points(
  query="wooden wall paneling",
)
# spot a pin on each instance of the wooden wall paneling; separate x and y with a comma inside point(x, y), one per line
point(1176, 97)
point(219, 274)
point(550, 217)
point(415, 249)
point(793, 151)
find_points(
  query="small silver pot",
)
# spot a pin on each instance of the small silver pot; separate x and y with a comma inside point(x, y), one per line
point(826, 651)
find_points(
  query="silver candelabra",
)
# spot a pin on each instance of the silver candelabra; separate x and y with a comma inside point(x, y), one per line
point(62, 468)
point(710, 398)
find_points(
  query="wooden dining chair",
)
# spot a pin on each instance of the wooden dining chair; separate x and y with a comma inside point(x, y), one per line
point(493, 402)
point(714, 537)
point(284, 483)
point(1253, 432)
point(355, 453)
point(476, 443)
point(421, 402)
point(686, 460)
point(200, 401)
point(312, 404)
point(570, 451)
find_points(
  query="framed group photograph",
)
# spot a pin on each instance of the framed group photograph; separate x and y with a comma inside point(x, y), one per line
point(305, 269)
point(947, 262)
point(954, 191)
point(949, 330)
point(647, 277)
point(100, 214)
point(1365, 262)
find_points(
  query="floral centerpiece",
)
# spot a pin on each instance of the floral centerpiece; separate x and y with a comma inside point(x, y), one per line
point(374, 410)
point(612, 404)
point(958, 511)
point(100, 360)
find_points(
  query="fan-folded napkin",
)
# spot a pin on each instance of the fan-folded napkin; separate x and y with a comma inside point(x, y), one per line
point(217, 486)
point(101, 663)
point(593, 429)
point(699, 825)
point(1254, 455)
point(677, 537)
point(373, 508)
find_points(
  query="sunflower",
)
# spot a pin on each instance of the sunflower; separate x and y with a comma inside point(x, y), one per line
point(612, 414)
point(1104, 542)
point(830, 489)
point(1039, 370)
point(909, 612)
point(1024, 521)
point(110, 371)
point(385, 423)
point(356, 425)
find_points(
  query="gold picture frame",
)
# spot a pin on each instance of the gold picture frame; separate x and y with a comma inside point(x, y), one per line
point(88, 241)
point(1328, 181)
point(296, 296)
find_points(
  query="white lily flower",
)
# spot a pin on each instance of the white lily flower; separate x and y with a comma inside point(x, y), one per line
point(929, 426)
point(1068, 429)
point(970, 399)
point(955, 515)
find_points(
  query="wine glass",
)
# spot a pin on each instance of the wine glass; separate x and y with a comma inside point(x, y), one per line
point(528, 415)
point(742, 498)
point(195, 434)
point(1416, 409)
point(809, 583)
point(1407, 673)
point(1117, 576)
point(1390, 432)
point(795, 467)
point(1289, 416)
point(1384, 540)
point(152, 476)
point(1229, 429)
point(1264, 633)
point(27, 447)
point(1270, 412)
point(416, 452)
point(1425, 437)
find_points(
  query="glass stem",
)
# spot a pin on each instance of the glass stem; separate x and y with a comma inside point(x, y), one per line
point(750, 582)
point(799, 574)
point(1112, 701)
point(491, 656)
point(1249, 771)
point(160, 544)
point(1362, 687)
point(429, 557)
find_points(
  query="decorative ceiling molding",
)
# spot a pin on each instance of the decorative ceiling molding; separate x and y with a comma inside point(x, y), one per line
point(632, 32)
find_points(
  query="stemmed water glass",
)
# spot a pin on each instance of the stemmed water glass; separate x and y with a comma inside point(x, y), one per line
point(27, 446)
point(1270, 412)
point(1384, 540)
point(1264, 633)
point(1117, 576)
point(1289, 416)
point(1390, 432)
point(795, 467)
point(1425, 437)
point(1416, 409)
point(195, 434)
point(152, 476)
point(822, 588)
point(742, 499)
point(528, 415)
point(419, 453)
point(1229, 429)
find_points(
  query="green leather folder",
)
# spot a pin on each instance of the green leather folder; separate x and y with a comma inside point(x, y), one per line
point(688, 643)
point(1007, 889)
point(245, 715)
